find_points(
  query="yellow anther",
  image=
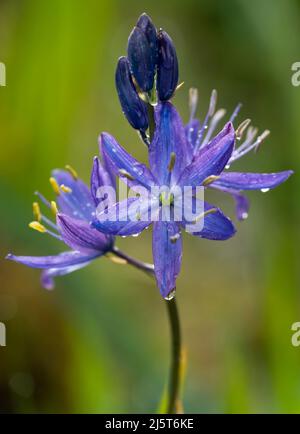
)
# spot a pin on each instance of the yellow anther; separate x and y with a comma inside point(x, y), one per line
point(37, 227)
point(115, 259)
point(65, 189)
point(54, 185)
point(172, 161)
point(54, 207)
point(210, 179)
point(179, 86)
point(36, 211)
point(242, 128)
point(204, 214)
point(126, 174)
point(72, 171)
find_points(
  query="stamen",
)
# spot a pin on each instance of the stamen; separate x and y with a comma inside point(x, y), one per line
point(179, 86)
point(65, 189)
point(36, 211)
point(54, 185)
point(210, 112)
point(126, 174)
point(174, 238)
point(172, 161)
point(235, 113)
point(37, 227)
point(138, 216)
point(242, 128)
point(193, 102)
point(213, 102)
point(261, 138)
point(72, 172)
point(42, 198)
point(210, 179)
point(213, 125)
point(204, 214)
point(54, 207)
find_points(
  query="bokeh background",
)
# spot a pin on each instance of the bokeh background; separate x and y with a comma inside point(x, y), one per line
point(100, 341)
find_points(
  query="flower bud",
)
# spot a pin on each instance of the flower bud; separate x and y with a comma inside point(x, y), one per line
point(167, 73)
point(133, 107)
point(142, 52)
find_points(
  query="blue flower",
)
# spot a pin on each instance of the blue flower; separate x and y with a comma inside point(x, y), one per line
point(74, 209)
point(177, 158)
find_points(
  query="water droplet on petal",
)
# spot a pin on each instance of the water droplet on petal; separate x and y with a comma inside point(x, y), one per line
point(264, 190)
point(244, 215)
point(136, 235)
point(171, 295)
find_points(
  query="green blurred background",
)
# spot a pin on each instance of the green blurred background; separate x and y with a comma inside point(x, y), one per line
point(100, 341)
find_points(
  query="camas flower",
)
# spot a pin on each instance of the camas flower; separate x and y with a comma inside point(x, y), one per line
point(74, 209)
point(178, 157)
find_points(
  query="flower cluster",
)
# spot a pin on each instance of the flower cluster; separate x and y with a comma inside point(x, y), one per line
point(181, 157)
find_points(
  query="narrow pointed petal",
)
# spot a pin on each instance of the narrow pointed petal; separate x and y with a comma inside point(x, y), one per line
point(62, 260)
point(47, 276)
point(169, 138)
point(252, 181)
point(79, 202)
point(167, 255)
point(100, 177)
point(128, 217)
point(211, 160)
point(215, 226)
point(121, 162)
point(167, 70)
point(133, 107)
point(241, 201)
point(79, 235)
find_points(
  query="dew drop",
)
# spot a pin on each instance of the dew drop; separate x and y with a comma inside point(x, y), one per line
point(244, 215)
point(227, 166)
point(136, 235)
point(264, 190)
point(171, 295)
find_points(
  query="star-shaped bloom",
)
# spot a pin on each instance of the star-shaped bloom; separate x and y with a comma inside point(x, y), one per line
point(74, 209)
point(177, 162)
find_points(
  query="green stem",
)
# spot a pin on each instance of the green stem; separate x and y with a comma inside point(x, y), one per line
point(175, 373)
point(151, 121)
point(176, 350)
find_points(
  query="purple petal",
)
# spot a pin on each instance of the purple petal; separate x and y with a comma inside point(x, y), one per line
point(79, 235)
point(252, 181)
point(241, 202)
point(79, 203)
point(100, 177)
point(169, 138)
point(62, 260)
point(167, 254)
point(210, 160)
point(215, 226)
point(120, 162)
point(47, 276)
point(128, 217)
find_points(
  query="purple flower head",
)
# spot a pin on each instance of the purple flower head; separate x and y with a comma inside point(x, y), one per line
point(74, 209)
point(179, 159)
